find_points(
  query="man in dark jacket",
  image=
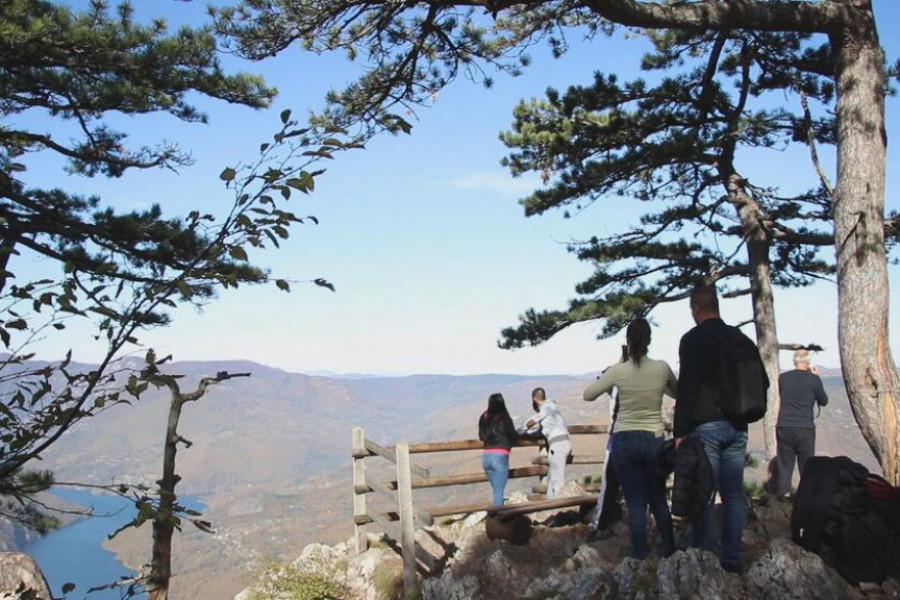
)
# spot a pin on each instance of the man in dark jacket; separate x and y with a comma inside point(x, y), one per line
point(795, 431)
point(697, 413)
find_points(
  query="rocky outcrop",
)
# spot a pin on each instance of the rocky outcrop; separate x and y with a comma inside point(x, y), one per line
point(13, 536)
point(18, 573)
point(560, 563)
point(787, 572)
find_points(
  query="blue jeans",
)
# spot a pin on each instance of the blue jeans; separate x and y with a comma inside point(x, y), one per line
point(496, 467)
point(726, 448)
point(634, 457)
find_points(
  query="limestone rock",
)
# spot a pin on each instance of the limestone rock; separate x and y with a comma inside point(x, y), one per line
point(786, 571)
point(449, 588)
point(697, 575)
point(19, 571)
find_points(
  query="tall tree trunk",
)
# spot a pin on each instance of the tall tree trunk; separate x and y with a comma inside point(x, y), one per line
point(868, 366)
point(164, 521)
point(766, 335)
point(761, 296)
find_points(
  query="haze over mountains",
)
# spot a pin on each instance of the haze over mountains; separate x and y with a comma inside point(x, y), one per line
point(271, 452)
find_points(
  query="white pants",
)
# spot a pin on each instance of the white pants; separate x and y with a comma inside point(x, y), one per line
point(557, 455)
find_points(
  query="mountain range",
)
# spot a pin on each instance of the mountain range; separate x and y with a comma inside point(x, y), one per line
point(270, 454)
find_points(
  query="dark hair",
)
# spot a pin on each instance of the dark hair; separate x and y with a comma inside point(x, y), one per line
point(705, 298)
point(638, 337)
point(496, 405)
point(539, 392)
point(496, 418)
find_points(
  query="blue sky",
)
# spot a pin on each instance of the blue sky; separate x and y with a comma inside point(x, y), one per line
point(422, 235)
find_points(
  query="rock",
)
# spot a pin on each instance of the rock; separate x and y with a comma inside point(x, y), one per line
point(583, 583)
point(515, 529)
point(19, 571)
point(688, 575)
point(891, 588)
point(373, 575)
point(318, 558)
point(450, 588)
point(636, 580)
point(694, 574)
point(787, 571)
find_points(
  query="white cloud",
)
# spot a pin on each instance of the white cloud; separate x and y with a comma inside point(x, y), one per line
point(497, 183)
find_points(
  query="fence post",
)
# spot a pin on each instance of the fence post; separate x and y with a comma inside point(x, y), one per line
point(407, 521)
point(359, 481)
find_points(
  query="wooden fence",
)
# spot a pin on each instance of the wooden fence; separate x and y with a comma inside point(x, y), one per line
point(400, 525)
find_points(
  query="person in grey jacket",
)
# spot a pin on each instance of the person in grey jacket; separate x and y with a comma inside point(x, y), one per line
point(795, 431)
point(553, 428)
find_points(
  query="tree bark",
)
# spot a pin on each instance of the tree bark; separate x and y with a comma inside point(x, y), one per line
point(758, 246)
point(869, 370)
point(163, 522)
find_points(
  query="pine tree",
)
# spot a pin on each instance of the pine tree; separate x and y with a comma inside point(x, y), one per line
point(119, 272)
point(675, 147)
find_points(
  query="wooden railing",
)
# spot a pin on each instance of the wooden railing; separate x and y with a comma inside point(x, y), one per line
point(400, 525)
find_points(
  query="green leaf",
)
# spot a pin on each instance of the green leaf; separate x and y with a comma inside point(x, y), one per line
point(237, 253)
point(285, 115)
point(203, 525)
point(228, 174)
point(68, 587)
point(283, 285)
point(184, 288)
point(19, 324)
point(323, 283)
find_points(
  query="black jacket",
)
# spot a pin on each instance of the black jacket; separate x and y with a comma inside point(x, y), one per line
point(693, 485)
point(496, 431)
point(697, 378)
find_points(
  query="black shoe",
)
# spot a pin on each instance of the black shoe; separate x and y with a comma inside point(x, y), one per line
point(600, 534)
point(732, 568)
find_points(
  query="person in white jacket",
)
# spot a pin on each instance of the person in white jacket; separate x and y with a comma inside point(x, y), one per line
point(550, 422)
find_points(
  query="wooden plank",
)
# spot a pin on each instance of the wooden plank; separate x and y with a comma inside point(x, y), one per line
point(359, 500)
point(584, 459)
point(530, 507)
point(454, 445)
point(459, 509)
point(407, 522)
point(386, 524)
point(422, 517)
point(469, 478)
point(588, 429)
point(390, 454)
point(534, 506)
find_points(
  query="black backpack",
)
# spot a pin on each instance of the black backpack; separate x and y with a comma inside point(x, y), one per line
point(741, 379)
point(849, 517)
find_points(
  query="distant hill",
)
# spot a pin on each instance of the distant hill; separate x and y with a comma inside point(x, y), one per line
point(271, 452)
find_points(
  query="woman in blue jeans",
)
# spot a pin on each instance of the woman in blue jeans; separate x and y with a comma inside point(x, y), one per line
point(641, 383)
point(496, 430)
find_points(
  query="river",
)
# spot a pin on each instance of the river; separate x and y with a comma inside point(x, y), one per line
point(75, 553)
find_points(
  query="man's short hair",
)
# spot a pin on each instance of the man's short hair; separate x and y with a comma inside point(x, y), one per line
point(539, 392)
point(705, 298)
point(801, 357)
